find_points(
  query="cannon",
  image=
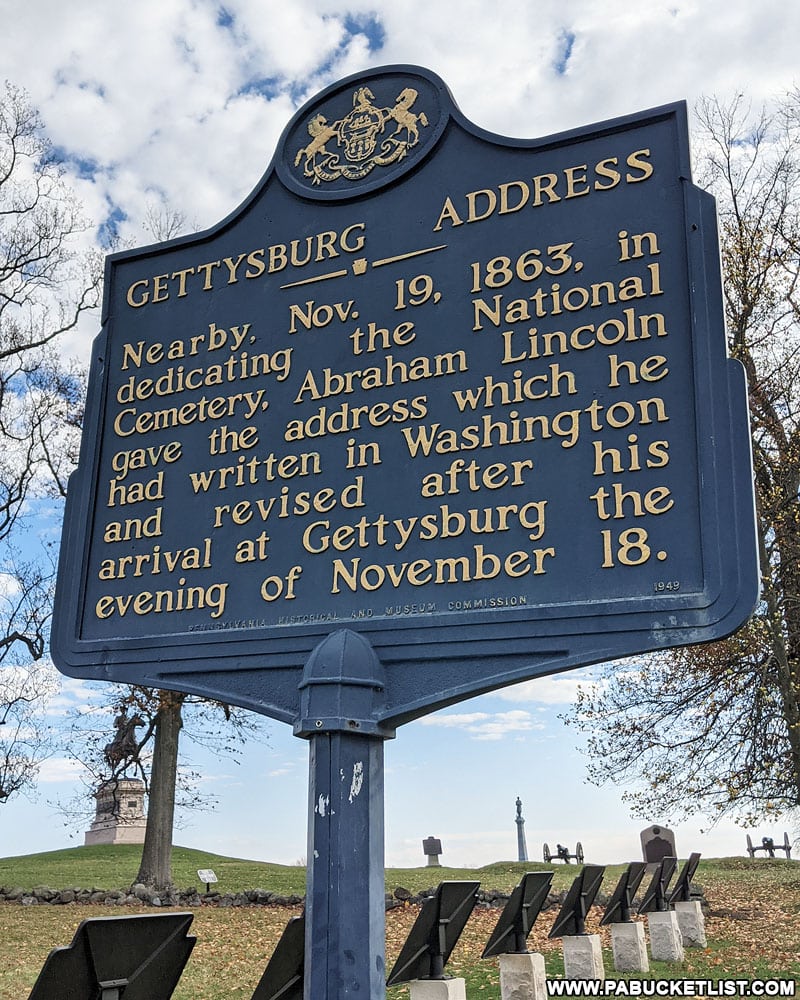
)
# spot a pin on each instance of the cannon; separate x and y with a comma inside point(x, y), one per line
point(562, 854)
point(769, 847)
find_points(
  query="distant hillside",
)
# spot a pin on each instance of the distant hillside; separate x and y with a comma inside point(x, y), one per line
point(115, 866)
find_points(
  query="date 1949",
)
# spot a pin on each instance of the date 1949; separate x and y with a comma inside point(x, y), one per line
point(661, 586)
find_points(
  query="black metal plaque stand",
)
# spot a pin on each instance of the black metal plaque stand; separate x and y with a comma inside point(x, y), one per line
point(655, 897)
point(519, 915)
point(140, 957)
point(284, 975)
point(345, 892)
point(682, 890)
point(618, 909)
point(571, 919)
point(435, 933)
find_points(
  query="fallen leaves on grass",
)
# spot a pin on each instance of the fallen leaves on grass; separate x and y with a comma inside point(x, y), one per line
point(752, 927)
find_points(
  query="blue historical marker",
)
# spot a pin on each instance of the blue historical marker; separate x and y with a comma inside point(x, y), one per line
point(433, 412)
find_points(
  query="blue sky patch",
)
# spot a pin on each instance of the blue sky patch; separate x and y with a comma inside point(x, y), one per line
point(565, 43)
point(84, 167)
point(368, 25)
point(268, 87)
point(108, 230)
point(224, 18)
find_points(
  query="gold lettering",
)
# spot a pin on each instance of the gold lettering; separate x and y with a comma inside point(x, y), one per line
point(605, 169)
point(577, 176)
point(620, 503)
point(448, 213)
point(249, 264)
point(639, 161)
point(160, 289)
point(546, 188)
point(480, 564)
point(134, 297)
point(182, 598)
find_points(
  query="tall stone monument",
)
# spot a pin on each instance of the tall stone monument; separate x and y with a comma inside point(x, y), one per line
point(119, 817)
point(522, 848)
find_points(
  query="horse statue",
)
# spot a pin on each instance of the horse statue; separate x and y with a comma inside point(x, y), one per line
point(125, 745)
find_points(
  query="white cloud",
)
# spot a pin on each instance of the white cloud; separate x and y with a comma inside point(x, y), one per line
point(228, 780)
point(57, 770)
point(19, 734)
point(37, 683)
point(74, 695)
point(484, 725)
point(187, 100)
point(556, 689)
point(455, 720)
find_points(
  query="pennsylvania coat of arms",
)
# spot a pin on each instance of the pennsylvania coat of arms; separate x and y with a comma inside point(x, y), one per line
point(366, 138)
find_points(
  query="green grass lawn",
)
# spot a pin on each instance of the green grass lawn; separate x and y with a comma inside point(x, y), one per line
point(753, 924)
point(110, 866)
point(114, 867)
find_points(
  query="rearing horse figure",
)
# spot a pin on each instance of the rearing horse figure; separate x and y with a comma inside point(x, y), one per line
point(405, 118)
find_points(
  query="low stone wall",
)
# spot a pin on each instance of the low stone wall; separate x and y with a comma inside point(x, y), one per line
point(140, 894)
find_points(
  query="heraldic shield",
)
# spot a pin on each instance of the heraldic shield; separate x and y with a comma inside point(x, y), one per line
point(356, 132)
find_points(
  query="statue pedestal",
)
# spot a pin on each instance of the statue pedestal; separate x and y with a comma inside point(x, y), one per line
point(119, 816)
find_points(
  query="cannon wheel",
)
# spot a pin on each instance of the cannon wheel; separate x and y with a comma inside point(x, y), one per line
point(787, 845)
point(750, 849)
point(579, 853)
point(548, 857)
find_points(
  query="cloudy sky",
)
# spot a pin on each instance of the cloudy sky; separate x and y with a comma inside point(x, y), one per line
point(182, 102)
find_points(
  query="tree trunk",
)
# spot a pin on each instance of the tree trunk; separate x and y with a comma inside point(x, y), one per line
point(156, 865)
point(789, 662)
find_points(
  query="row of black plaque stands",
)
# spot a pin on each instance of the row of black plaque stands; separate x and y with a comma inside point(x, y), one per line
point(142, 957)
point(674, 920)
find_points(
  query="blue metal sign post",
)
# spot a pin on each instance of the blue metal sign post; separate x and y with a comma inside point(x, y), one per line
point(432, 412)
point(342, 690)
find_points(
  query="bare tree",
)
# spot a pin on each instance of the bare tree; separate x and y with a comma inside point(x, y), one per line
point(162, 222)
point(25, 739)
point(149, 746)
point(717, 728)
point(46, 282)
